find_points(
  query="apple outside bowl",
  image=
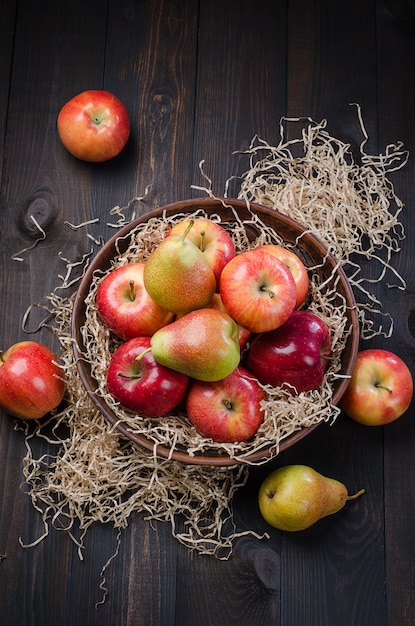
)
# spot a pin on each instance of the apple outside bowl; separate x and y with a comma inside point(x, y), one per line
point(309, 248)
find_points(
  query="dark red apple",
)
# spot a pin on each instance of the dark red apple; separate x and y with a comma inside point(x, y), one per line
point(295, 355)
point(142, 385)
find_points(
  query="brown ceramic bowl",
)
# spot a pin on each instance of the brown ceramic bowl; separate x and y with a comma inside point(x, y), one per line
point(310, 249)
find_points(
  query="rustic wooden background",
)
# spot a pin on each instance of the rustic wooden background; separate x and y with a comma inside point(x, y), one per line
point(200, 79)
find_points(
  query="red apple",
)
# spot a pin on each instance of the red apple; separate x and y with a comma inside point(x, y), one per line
point(380, 388)
point(296, 267)
point(258, 290)
point(212, 239)
point(229, 410)
point(142, 385)
point(124, 305)
point(94, 125)
point(32, 381)
point(294, 356)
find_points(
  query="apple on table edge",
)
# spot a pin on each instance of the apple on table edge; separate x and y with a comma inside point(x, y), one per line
point(32, 380)
point(229, 410)
point(380, 389)
point(94, 125)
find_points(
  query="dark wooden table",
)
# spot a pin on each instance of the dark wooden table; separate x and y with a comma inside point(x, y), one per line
point(200, 79)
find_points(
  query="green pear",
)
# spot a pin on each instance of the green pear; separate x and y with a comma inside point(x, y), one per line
point(204, 344)
point(294, 497)
point(178, 276)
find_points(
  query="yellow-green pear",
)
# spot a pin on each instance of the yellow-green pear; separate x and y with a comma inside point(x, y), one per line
point(295, 497)
point(204, 344)
point(178, 276)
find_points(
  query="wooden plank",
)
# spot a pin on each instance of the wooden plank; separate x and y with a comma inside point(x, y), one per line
point(59, 54)
point(47, 50)
point(334, 572)
point(240, 89)
point(240, 92)
point(396, 53)
point(7, 20)
point(331, 63)
point(158, 89)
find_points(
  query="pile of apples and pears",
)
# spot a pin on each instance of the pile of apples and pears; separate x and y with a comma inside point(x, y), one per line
point(189, 313)
point(199, 303)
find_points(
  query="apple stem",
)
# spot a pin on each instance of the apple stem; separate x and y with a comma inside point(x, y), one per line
point(131, 291)
point(140, 356)
point(379, 386)
point(356, 495)
point(135, 377)
point(2, 357)
point(268, 291)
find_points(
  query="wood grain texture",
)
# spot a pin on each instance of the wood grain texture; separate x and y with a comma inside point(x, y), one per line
point(200, 79)
point(396, 122)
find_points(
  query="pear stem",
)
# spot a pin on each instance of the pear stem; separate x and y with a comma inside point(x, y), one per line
point(202, 240)
point(142, 354)
point(356, 495)
point(186, 232)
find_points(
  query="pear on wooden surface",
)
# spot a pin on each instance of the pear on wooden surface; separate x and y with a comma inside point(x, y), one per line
point(204, 344)
point(177, 275)
point(295, 497)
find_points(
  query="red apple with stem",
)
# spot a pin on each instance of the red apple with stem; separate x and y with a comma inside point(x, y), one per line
point(212, 239)
point(380, 389)
point(125, 306)
point(296, 267)
point(294, 356)
point(32, 380)
point(229, 410)
point(258, 290)
point(94, 125)
point(140, 384)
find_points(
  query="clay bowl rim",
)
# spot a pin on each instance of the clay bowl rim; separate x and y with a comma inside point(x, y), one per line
point(108, 252)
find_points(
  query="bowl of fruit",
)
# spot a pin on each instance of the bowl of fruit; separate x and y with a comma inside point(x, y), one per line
point(215, 332)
